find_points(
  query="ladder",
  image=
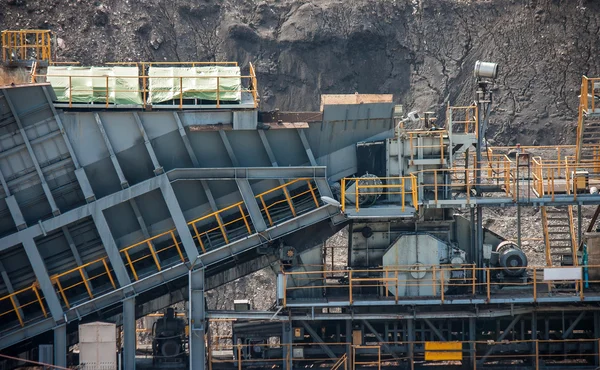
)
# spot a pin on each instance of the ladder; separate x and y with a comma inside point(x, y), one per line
point(559, 236)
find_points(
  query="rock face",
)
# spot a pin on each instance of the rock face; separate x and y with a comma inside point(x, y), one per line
point(422, 51)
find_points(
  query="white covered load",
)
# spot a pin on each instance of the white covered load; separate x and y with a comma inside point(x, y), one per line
point(76, 84)
point(202, 83)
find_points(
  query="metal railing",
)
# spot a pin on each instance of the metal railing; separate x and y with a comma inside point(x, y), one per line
point(32, 296)
point(391, 282)
point(462, 120)
point(104, 93)
point(25, 45)
point(477, 353)
point(405, 186)
point(282, 199)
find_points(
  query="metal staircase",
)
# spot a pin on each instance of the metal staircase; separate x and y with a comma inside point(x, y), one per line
point(588, 126)
point(559, 236)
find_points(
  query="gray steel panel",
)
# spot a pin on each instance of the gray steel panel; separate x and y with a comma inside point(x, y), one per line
point(224, 117)
point(171, 151)
point(122, 221)
point(209, 149)
point(85, 136)
point(179, 220)
point(136, 164)
point(122, 130)
point(158, 123)
point(287, 147)
point(103, 178)
point(248, 148)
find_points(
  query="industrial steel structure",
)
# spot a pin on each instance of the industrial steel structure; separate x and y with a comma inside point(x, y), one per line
point(113, 211)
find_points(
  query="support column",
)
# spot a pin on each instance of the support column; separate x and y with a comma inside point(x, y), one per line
point(41, 274)
point(129, 334)
point(179, 220)
point(114, 256)
point(410, 336)
point(197, 317)
point(286, 344)
point(60, 345)
point(597, 335)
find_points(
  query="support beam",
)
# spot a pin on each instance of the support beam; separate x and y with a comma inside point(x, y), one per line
point(114, 256)
point(571, 327)
point(410, 337)
point(435, 330)
point(142, 223)
point(45, 187)
point(268, 149)
point(129, 334)
point(318, 339)
point(197, 319)
point(157, 167)
point(501, 337)
point(229, 148)
point(4, 184)
point(248, 196)
point(306, 145)
point(111, 152)
point(41, 274)
point(84, 183)
point(60, 345)
point(349, 357)
point(381, 340)
point(186, 140)
point(179, 220)
point(472, 339)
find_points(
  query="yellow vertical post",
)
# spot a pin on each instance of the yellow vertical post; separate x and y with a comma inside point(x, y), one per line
point(86, 283)
point(284, 289)
point(262, 200)
point(70, 92)
point(289, 200)
point(177, 247)
point(107, 93)
point(131, 264)
point(312, 192)
point(198, 237)
point(239, 356)
point(223, 232)
point(108, 273)
point(356, 192)
point(154, 256)
point(442, 284)
point(180, 92)
point(62, 292)
point(16, 309)
point(403, 195)
point(433, 279)
point(435, 187)
point(343, 196)
point(218, 92)
point(39, 299)
point(245, 219)
point(487, 282)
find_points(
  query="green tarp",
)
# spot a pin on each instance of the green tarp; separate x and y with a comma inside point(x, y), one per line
point(196, 83)
point(91, 84)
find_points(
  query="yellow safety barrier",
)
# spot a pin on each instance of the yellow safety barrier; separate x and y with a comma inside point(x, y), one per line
point(78, 274)
point(384, 282)
point(23, 294)
point(404, 186)
point(25, 45)
point(532, 351)
point(462, 119)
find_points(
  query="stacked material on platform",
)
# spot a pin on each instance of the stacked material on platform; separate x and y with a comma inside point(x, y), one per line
point(203, 83)
point(93, 84)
